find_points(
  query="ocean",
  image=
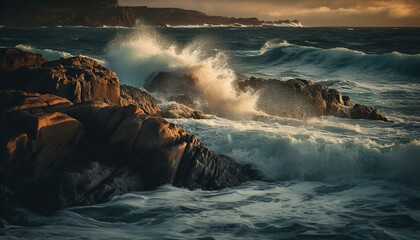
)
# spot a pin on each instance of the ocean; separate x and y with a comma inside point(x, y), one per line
point(323, 177)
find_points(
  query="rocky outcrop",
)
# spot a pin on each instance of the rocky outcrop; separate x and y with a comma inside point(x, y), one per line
point(300, 98)
point(35, 139)
point(33, 13)
point(58, 152)
point(295, 98)
point(142, 99)
point(78, 79)
point(55, 154)
point(177, 110)
point(13, 58)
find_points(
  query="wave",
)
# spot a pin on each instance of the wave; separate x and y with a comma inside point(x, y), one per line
point(319, 149)
point(49, 54)
point(279, 52)
point(139, 55)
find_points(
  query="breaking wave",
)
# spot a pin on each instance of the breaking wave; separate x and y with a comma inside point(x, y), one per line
point(49, 54)
point(138, 56)
point(278, 52)
point(319, 149)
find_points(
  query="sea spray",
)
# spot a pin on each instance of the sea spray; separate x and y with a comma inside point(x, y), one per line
point(136, 57)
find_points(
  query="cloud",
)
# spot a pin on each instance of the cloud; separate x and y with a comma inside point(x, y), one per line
point(313, 12)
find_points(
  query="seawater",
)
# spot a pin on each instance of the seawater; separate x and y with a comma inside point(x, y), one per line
point(324, 178)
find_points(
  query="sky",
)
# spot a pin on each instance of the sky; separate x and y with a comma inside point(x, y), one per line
point(393, 13)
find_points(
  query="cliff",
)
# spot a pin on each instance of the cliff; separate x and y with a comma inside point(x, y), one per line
point(35, 13)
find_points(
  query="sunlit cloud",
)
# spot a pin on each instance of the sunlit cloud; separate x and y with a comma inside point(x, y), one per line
point(315, 12)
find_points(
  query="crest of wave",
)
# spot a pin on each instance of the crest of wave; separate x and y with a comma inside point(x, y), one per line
point(138, 56)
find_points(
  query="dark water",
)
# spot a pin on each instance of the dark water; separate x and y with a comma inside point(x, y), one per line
point(327, 178)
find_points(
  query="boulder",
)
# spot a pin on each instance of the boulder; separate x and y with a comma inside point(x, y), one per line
point(177, 110)
point(78, 79)
point(139, 98)
point(36, 140)
point(12, 58)
point(87, 184)
point(19, 102)
point(300, 98)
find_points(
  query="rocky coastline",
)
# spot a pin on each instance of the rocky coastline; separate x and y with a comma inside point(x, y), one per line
point(94, 13)
point(72, 135)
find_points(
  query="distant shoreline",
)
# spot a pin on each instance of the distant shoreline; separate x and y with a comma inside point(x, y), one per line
point(91, 13)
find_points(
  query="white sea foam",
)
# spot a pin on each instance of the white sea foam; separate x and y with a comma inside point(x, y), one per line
point(49, 54)
point(144, 52)
point(327, 149)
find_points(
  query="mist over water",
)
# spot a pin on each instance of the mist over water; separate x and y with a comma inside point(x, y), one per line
point(324, 178)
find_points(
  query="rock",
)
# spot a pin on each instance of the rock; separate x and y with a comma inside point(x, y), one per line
point(13, 58)
point(142, 99)
point(176, 110)
point(87, 184)
point(360, 111)
point(300, 98)
point(150, 142)
point(295, 98)
point(78, 79)
point(35, 142)
point(184, 99)
point(18, 102)
point(57, 154)
point(172, 84)
point(7, 202)
point(119, 149)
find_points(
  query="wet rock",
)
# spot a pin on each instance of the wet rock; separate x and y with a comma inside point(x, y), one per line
point(176, 110)
point(19, 102)
point(184, 99)
point(13, 58)
point(358, 111)
point(142, 99)
point(35, 139)
point(172, 84)
point(91, 183)
point(300, 98)
point(78, 79)
point(91, 152)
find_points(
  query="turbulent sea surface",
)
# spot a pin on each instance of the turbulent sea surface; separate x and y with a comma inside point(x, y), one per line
point(325, 178)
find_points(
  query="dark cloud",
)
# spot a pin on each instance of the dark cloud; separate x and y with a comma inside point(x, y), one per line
point(309, 12)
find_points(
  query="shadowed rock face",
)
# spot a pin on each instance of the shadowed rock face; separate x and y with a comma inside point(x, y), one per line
point(59, 155)
point(135, 96)
point(177, 110)
point(13, 58)
point(36, 139)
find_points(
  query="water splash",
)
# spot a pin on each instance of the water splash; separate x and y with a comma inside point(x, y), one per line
point(139, 55)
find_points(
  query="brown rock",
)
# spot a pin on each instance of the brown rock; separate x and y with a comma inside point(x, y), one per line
point(164, 165)
point(78, 79)
point(13, 58)
point(125, 135)
point(142, 99)
point(157, 133)
point(176, 110)
point(35, 140)
point(14, 101)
